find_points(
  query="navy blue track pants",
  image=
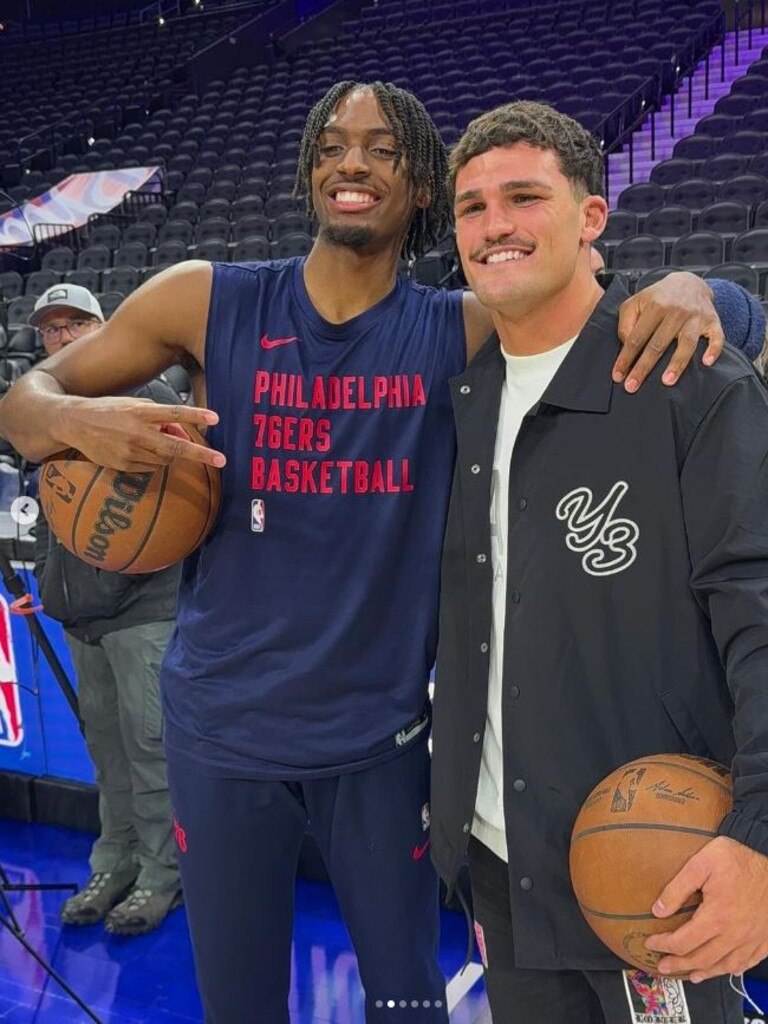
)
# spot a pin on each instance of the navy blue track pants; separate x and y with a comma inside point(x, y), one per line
point(239, 843)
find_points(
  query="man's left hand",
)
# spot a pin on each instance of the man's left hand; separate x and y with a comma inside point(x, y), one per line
point(728, 933)
point(679, 306)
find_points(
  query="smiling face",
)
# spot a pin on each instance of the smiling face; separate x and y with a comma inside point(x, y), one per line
point(522, 229)
point(360, 189)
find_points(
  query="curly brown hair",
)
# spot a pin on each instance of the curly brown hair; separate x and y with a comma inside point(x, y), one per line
point(578, 152)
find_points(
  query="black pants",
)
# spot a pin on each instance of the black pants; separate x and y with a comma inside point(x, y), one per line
point(521, 996)
point(239, 846)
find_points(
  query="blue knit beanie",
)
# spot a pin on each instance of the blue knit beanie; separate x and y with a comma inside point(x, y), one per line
point(742, 319)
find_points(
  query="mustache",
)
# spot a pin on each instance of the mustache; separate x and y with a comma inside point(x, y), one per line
point(511, 241)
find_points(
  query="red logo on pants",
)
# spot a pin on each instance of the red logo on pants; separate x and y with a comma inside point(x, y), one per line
point(180, 835)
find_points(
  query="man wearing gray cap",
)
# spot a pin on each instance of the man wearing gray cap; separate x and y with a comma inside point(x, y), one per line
point(116, 628)
point(65, 312)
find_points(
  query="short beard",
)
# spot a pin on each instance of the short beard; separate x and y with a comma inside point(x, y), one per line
point(351, 236)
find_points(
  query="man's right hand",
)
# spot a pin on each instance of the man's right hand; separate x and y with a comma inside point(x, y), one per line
point(162, 323)
point(135, 434)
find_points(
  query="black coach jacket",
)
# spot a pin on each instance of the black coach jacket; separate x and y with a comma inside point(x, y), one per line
point(637, 609)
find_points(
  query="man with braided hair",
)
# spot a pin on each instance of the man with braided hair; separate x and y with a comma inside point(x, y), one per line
point(426, 167)
point(295, 685)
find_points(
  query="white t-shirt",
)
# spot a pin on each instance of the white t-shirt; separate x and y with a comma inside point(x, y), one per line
point(527, 378)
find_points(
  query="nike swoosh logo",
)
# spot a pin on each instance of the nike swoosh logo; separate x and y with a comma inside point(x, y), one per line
point(419, 851)
point(267, 342)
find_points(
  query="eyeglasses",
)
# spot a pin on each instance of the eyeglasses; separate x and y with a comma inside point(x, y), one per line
point(74, 328)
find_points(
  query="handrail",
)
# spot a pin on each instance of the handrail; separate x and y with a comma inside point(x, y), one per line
point(743, 10)
point(628, 129)
point(165, 7)
point(626, 136)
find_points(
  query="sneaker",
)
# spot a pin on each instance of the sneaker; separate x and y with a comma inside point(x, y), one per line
point(97, 897)
point(142, 911)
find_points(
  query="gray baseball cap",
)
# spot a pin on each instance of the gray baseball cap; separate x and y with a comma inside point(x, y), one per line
point(66, 296)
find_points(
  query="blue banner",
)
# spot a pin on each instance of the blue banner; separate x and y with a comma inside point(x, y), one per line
point(38, 732)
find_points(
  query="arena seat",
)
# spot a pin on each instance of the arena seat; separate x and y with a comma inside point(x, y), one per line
point(249, 249)
point(213, 250)
point(727, 218)
point(11, 284)
point(745, 188)
point(642, 198)
point(85, 276)
point(760, 218)
point(723, 166)
point(670, 172)
point(698, 250)
point(697, 147)
point(141, 231)
point(642, 252)
point(176, 229)
point(123, 279)
point(216, 207)
point(716, 126)
point(60, 259)
point(168, 252)
point(748, 142)
point(39, 281)
point(757, 120)
point(109, 301)
point(739, 273)
point(213, 228)
point(696, 193)
point(296, 244)
point(251, 225)
point(131, 254)
point(433, 268)
point(290, 223)
point(19, 310)
point(669, 222)
point(247, 204)
point(94, 257)
point(750, 247)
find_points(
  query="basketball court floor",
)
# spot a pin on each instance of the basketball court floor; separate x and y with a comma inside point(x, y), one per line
point(149, 979)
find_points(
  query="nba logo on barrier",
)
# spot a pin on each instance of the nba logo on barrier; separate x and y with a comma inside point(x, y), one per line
point(258, 515)
point(11, 725)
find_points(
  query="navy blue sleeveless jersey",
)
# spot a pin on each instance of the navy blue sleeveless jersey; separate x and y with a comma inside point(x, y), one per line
point(307, 622)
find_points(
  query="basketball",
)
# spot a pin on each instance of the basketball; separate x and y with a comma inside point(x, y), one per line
point(129, 522)
point(634, 832)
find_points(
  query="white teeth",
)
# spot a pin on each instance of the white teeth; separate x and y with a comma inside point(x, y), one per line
point(354, 197)
point(506, 256)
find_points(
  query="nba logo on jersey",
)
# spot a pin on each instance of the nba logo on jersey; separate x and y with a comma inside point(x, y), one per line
point(11, 725)
point(258, 515)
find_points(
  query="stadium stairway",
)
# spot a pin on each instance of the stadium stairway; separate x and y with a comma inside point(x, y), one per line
point(643, 162)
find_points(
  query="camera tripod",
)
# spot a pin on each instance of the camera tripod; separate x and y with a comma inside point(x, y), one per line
point(8, 919)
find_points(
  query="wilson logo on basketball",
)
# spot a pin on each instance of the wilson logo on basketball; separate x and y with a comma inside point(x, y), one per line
point(116, 512)
point(125, 521)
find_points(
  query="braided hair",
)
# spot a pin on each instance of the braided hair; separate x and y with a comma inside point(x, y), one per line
point(416, 138)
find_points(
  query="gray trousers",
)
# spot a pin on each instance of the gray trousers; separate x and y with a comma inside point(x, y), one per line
point(120, 706)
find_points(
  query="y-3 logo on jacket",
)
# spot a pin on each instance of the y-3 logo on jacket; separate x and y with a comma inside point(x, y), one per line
point(606, 542)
